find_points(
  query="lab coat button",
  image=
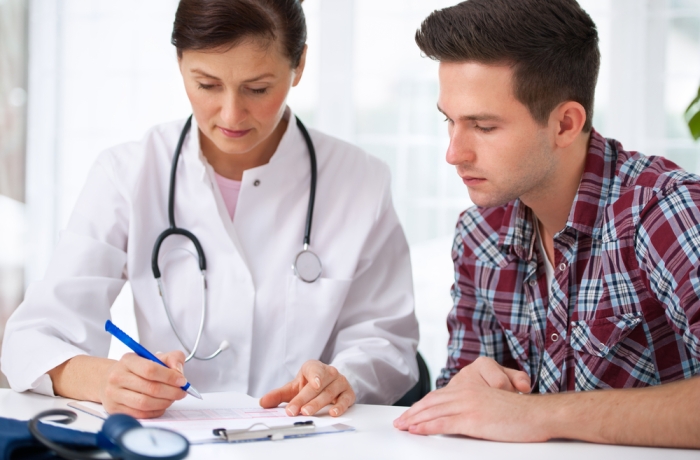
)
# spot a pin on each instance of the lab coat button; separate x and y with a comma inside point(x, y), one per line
point(256, 183)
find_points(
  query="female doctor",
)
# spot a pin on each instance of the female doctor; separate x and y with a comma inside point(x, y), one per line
point(330, 326)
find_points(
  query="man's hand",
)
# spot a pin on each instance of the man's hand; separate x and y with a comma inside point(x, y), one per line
point(141, 388)
point(481, 401)
point(494, 375)
point(315, 386)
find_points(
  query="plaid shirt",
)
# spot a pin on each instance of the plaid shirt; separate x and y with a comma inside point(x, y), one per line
point(623, 310)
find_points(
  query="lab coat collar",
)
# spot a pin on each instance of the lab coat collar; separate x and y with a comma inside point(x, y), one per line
point(286, 151)
point(290, 141)
point(192, 152)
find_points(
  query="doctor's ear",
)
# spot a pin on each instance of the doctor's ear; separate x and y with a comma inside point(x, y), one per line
point(300, 68)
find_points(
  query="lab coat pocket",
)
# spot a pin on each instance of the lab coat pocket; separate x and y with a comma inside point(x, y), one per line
point(608, 351)
point(311, 310)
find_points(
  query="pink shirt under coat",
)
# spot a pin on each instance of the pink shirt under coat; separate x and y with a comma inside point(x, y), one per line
point(229, 191)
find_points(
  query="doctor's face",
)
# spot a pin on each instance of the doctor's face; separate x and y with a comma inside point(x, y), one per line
point(238, 94)
point(500, 151)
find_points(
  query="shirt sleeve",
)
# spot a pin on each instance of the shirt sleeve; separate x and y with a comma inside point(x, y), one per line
point(63, 315)
point(667, 245)
point(474, 330)
point(375, 338)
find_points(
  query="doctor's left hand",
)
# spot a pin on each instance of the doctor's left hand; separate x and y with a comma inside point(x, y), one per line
point(315, 386)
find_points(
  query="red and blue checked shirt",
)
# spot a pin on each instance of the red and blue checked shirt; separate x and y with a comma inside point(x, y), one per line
point(624, 307)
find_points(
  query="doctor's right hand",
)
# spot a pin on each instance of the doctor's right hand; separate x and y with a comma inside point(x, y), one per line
point(141, 388)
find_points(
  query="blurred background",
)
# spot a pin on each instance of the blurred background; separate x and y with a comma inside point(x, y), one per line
point(78, 76)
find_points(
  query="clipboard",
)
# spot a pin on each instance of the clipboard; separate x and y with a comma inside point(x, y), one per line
point(262, 432)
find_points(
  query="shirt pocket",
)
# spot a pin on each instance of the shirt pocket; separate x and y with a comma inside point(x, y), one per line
point(612, 352)
point(311, 311)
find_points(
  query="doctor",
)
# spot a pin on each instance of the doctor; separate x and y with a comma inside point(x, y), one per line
point(328, 333)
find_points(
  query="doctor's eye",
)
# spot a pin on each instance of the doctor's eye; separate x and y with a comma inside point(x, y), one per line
point(448, 120)
point(203, 86)
point(258, 90)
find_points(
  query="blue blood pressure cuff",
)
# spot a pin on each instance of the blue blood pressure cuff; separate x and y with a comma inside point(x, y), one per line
point(16, 442)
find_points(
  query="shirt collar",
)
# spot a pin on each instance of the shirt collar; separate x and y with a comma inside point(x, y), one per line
point(517, 230)
point(587, 211)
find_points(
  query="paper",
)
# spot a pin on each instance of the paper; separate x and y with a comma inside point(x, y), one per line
point(195, 419)
point(192, 415)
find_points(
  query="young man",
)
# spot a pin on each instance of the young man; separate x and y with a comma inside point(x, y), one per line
point(578, 267)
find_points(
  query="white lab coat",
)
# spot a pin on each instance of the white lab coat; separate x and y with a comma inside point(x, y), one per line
point(358, 316)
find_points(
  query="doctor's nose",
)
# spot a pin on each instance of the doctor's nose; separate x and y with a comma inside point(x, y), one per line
point(460, 149)
point(233, 111)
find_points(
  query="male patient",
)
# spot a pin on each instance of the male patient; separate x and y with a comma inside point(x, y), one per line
point(578, 267)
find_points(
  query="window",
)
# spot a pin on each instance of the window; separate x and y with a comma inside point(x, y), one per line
point(13, 98)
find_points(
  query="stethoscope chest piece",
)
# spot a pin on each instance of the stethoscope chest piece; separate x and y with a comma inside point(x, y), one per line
point(307, 266)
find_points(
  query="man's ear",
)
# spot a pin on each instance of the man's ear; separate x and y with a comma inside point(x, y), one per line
point(567, 120)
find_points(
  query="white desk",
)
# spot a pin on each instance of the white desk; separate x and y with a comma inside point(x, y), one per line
point(375, 438)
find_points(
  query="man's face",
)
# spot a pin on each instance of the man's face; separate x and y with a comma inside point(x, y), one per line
point(500, 152)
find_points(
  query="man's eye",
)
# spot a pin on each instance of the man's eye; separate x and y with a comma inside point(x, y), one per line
point(484, 129)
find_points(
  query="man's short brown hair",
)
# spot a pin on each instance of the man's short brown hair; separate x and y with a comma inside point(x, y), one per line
point(552, 46)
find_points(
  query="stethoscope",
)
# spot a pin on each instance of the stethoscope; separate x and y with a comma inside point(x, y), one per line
point(307, 265)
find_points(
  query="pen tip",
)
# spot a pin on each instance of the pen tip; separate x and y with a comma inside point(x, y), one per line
point(191, 390)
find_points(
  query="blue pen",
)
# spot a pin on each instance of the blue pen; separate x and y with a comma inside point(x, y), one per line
point(142, 352)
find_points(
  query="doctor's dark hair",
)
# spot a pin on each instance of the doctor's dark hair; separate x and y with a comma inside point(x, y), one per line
point(552, 46)
point(212, 24)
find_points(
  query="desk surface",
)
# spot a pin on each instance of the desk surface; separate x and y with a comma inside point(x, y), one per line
point(375, 438)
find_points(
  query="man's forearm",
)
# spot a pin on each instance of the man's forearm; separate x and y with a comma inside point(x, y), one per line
point(664, 416)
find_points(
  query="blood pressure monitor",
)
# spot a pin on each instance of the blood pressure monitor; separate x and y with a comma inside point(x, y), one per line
point(137, 442)
point(122, 436)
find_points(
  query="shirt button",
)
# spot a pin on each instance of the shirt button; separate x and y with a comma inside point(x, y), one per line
point(555, 337)
point(562, 267)
point(256, 183)
point(601, 346)
point(533, 283)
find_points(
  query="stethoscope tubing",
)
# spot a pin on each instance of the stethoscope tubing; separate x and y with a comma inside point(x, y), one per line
point(174, 230)
point(312, 188)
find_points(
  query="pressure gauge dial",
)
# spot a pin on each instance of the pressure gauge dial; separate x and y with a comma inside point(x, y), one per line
point(141, 443)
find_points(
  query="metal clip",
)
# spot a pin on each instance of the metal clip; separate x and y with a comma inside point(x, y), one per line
point(275, 433)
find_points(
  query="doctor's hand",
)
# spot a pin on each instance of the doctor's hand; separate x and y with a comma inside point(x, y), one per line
point(481, 401)
point(315, 386)
point(141, 388)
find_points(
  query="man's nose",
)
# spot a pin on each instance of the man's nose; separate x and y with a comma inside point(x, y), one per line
point(460, 149)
